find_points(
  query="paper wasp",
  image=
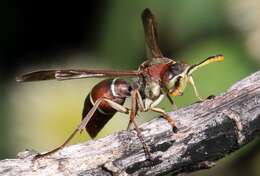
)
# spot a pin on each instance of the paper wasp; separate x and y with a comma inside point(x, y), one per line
point(156, 78)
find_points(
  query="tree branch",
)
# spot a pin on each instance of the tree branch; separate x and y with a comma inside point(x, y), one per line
point(207, 132)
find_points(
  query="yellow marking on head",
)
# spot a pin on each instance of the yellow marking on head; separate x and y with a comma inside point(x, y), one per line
point(179, 86)
point(175, 93)
point(178, 89)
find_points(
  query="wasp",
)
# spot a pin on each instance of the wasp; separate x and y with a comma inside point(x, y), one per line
point(156, 78)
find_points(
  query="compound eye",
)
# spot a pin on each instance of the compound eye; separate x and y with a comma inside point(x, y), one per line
point(174, 83)
point(177, 82)
point(167, 77)
point(176, 90)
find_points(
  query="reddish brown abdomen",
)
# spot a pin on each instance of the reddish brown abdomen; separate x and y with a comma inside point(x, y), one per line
point(104, 112)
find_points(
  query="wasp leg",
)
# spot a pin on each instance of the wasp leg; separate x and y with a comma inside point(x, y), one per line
point(140, 106)
point(174, 107)
point(58, 148)
point(167, 117)
point(114, 105)
point(129, 125)
point(210, 97)
point(158, 110)
point(133, 112)
point(195, 89)
point(165, 91)
point(83, 123)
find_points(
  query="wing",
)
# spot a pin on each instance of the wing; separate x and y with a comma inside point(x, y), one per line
point(150, 32)
point(73, 74)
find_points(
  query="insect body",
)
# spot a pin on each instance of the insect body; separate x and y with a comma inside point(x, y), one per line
point(113, 92)
point(156, 78)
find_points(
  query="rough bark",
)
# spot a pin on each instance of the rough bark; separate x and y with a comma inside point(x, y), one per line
point(208, 131)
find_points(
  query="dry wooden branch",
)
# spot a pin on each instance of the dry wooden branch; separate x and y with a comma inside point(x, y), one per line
point(207, 132)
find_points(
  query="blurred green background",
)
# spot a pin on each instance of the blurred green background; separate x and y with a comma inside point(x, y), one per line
point(109, 34)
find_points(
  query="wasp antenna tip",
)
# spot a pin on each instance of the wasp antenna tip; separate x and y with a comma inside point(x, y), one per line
point(221, 57)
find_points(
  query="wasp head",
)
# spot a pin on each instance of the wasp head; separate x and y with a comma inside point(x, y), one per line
point(175, 78)
point(178, 75)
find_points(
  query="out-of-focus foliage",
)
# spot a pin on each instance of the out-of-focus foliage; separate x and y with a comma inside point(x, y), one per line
point(42, 114)
point(244, 15)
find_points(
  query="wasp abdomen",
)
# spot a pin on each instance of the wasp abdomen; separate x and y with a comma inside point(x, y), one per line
point(113, 89)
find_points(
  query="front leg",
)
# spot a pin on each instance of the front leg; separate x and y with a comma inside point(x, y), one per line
point(165, 91)
point(142, 108)
point(195, 89)
point(174, 106)
point(167, 117)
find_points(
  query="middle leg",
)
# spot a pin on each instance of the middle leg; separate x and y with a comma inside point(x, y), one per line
point(133, 113)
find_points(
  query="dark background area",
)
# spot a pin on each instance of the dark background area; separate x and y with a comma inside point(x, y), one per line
point(109, 34)
point(46, 28)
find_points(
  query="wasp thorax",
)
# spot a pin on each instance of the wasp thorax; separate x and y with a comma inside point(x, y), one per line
point(174, 79)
